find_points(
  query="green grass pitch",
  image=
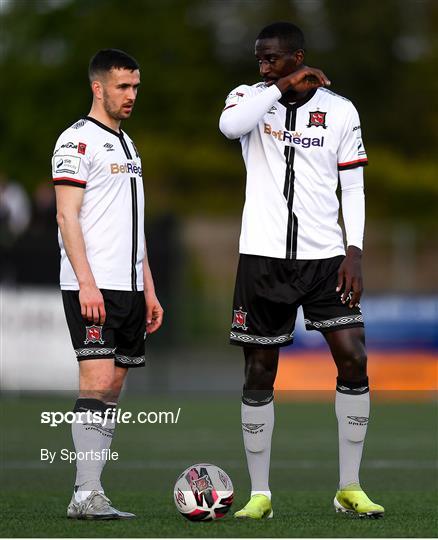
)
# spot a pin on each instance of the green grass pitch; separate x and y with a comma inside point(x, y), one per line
point(399, 470)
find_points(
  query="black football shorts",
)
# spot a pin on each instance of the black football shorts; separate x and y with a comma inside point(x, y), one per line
point(269, 291)
point(123, 335)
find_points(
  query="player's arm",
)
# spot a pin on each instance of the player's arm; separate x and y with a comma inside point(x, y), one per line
point(243, 111)
point(68, 205)
point(154, 311)
point(351, 160)
point(353, 212)
point(302, 80)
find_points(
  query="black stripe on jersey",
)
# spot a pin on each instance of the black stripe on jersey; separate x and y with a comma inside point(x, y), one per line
point(134, 233)
point(134, 218)
point(289, 181)
point(294, 236)
point(125, 147)
point(288, 190)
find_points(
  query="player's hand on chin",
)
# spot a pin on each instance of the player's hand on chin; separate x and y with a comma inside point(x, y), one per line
point(154, 313)
point(302, 80)
point(92, 304)
point(350, 277)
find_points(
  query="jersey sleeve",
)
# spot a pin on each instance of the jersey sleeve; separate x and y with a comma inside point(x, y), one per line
point(237, 95)
point(70, 161)
point(244, 108)
point(351, 152)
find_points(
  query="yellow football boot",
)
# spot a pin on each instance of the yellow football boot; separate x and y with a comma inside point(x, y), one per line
point(258, 507)
point(354, 501)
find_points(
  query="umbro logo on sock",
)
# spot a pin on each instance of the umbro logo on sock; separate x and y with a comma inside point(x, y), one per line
point(358, 420)
point(252, 428)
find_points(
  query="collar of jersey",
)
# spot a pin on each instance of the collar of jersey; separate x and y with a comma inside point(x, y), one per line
point(103, 126)
point(300, 102)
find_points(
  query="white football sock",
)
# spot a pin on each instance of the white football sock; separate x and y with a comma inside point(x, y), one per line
point(266, 493)
point(352, 407)
point(94, 436)
point(82, 495)
point(257, 427)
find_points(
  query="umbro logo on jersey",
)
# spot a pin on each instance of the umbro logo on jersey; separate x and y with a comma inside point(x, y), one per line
point(130, 168)
point(294, 137)
point(109, 147)
point(79, 124)
point(317, 119)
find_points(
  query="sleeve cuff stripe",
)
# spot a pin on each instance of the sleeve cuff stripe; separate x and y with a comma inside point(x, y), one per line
point(60, 179)
point(355, 162)
point(229, 106)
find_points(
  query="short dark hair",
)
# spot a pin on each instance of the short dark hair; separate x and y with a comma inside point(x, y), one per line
point(107, 59)
point(289, 35)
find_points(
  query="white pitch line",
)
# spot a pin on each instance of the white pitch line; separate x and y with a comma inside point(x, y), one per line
point(381, 464)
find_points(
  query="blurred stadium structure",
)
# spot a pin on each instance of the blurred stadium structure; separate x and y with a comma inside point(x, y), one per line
point(192, 53)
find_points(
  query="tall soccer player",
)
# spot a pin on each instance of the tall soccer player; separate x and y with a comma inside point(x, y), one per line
point(298, 141)
point(107, 287)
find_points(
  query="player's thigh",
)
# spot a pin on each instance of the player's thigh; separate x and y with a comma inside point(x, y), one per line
point(264, 310)
point(131, 335)
point(322, 307)
point(90, 341)
point(96, 376)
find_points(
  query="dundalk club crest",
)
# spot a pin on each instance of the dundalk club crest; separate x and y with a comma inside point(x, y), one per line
point(239, 319)
point(317, 119)
point(93, 334)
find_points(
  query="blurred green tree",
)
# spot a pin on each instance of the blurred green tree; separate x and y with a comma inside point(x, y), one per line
point(382, 55)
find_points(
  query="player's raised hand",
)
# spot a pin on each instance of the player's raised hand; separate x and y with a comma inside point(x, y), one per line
point(350, 277)
point(304, 79)
point(154, 313)
point(92, 304)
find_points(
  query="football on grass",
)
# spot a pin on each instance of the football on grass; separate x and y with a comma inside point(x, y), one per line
point(203, 492)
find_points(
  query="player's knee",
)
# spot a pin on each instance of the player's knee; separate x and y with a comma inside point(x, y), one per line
point(353, 365)
point(116, 388)
point(97, 387)
point(260, 371)
point(259, 378)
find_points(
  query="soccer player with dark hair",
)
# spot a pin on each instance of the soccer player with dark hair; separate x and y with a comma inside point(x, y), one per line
point(299, 140)
point(107, 287)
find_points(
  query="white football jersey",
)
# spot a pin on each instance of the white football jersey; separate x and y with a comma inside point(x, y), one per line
point(292, 157)
point(90, 156)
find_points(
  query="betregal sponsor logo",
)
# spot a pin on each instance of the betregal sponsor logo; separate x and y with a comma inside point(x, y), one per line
point(293, 137)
